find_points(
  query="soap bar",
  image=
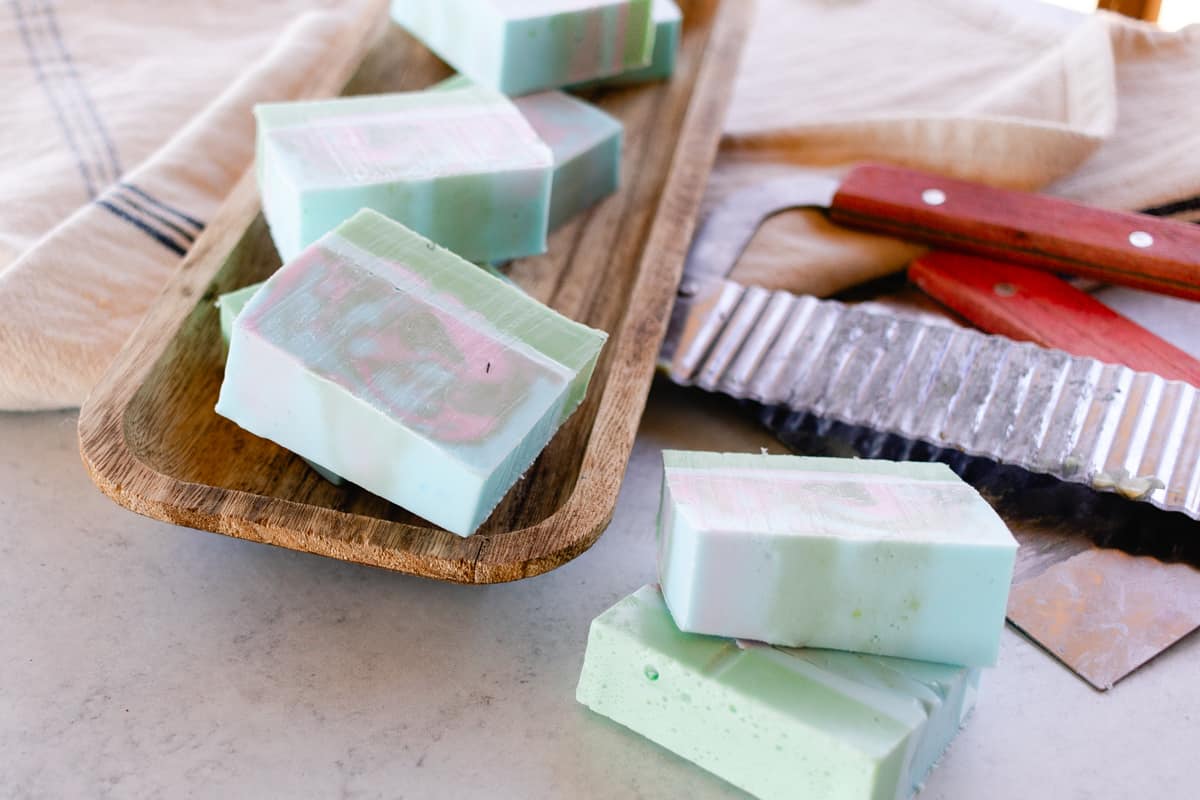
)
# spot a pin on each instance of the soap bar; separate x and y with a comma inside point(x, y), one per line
point(461, 167)
point(523, 46)
point(897, 559)
point(668, 29)
point(586, 145)
point(776, 722)
point(230, 305)
point(406, 370)
point(584, 141)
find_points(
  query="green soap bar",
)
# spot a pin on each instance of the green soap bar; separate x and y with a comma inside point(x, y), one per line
point(896, 559)
point(404, 369)
point(461, 167)
point(585, 143)
point(231, 304)
point(523, 46)
point(776, 722)
point(668, 27)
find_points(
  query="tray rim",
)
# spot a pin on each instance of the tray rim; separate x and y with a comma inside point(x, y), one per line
point(122, 475)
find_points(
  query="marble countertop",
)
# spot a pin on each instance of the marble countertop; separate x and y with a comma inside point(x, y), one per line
point(139, 659)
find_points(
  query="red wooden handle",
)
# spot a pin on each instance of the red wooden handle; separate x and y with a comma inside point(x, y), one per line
point(1033, 306)
point(1040, 231)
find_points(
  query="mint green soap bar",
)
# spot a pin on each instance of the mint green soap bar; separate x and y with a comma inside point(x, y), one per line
point(523, 46)
point(668, 29)
point(779, 723)
point(585, 143)
point(896, 559)
point(230, 304)
point(406, 370)
point(461, 167)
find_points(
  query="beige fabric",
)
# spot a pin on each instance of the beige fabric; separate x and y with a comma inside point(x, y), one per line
point(1099, 108)
point(126, 123)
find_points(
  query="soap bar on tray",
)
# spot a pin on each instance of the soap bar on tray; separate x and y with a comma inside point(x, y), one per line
point(584, 141)
point(461, 167)
point(777, 722)
point(406, 370)
point(668, 29)
point(897, 559)
point(523, 46)
point(230, 305)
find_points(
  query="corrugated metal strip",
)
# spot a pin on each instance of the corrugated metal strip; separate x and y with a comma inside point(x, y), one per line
point(1101, 425)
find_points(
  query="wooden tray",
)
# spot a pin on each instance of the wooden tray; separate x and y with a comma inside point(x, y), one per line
point(151, 441)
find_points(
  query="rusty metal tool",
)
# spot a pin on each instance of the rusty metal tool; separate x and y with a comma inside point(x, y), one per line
point(1101, 611)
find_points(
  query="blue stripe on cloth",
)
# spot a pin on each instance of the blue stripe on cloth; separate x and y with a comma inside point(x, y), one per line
point(89, 107)
point(142, 193)
point(160, 237)
point(59, 110)
point(150, 213)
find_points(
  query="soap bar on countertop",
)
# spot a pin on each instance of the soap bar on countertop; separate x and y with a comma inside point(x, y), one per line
point(523, 46)
point(585, 143)
point(406, 370)
point(668, 29)
point(461, 167)
point(776, 722)
point(897, 559)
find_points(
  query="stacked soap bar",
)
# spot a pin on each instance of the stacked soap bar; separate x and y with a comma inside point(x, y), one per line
point(899, 559)
point(523, 46)
point(406, 370)
point(584, 141)
point(461, 167)
point(779, 723)
point(668, 28)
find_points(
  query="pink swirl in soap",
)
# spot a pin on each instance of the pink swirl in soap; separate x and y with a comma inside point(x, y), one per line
point(443, 370)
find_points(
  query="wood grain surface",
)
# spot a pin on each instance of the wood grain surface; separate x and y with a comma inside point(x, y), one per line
point(151, 441)
point(1137, 250)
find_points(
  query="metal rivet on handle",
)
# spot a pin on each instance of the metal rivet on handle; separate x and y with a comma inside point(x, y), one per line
point(933, 197)
point(1141, 239)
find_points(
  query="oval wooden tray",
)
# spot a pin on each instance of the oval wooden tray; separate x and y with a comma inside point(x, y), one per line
point(151, 441)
